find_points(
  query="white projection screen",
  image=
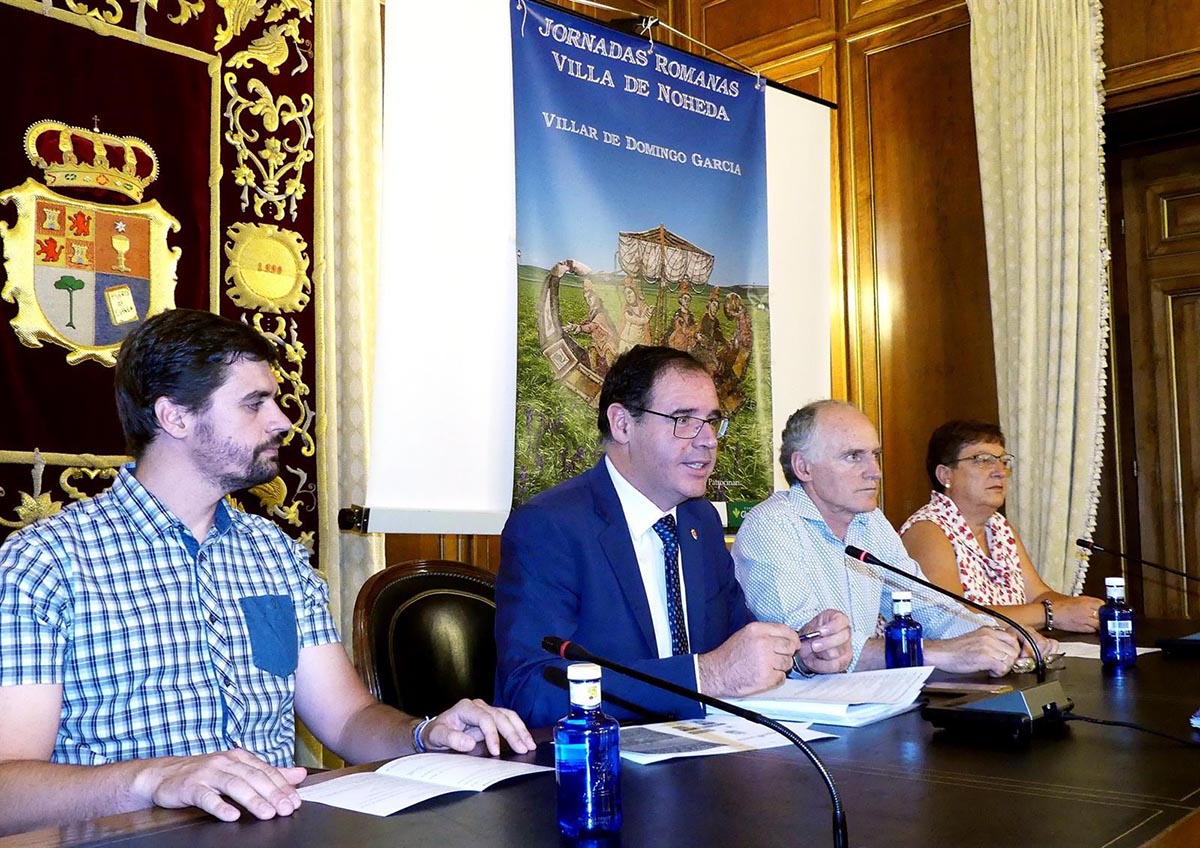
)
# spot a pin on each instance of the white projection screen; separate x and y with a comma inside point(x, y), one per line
point(443, 410)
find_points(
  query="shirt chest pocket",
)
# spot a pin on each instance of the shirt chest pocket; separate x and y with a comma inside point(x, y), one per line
point(274, 642)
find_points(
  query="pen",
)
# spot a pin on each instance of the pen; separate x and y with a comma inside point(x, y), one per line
point(812, 634)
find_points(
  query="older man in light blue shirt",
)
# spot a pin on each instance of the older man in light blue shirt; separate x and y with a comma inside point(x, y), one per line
point(789, 553)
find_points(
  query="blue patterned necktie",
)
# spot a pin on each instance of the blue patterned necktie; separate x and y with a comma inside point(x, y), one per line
point(665, 528)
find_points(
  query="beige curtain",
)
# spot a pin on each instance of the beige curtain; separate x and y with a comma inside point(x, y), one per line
point(1037, 76)
point(349, 111)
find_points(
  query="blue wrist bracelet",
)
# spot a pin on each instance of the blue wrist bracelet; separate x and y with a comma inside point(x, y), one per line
point(418, 745)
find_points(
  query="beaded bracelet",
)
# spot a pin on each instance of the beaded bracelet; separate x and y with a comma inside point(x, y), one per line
point(1048, 606)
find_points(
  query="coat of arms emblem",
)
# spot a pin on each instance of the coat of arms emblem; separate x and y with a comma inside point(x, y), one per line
point(84, 274)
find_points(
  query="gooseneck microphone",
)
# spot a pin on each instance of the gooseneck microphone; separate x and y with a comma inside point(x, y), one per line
point(862, 556)
point(1011, 713)
point(569, 650)
point(1092, 546)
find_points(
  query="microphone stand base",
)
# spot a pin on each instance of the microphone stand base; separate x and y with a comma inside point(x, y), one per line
point(1010, 717)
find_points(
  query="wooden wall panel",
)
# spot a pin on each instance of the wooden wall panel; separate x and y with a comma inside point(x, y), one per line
point(856, 16)
point(1162, 272)
point(662, 9)
point(813, 72)
point(1151, 50)
point(481, 551)
point(1185, 338)
point(762, 29)
point(921, 316)
point(1134, 506)
point(666, 11)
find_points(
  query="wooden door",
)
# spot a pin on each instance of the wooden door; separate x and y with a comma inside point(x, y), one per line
point(1162, 216)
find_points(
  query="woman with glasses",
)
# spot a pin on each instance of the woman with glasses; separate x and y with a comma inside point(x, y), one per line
point(964, 544)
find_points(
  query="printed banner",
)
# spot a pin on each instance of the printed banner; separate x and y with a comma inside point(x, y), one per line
point(641, 219)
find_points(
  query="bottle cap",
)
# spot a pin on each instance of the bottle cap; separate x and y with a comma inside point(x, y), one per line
point(901, 596)
point(583, 671)
point(1117, 582)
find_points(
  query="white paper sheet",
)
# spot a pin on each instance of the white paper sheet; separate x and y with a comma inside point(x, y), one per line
point(1088, 651)
point(884, 686)
point(406, 781)
point(849, 700)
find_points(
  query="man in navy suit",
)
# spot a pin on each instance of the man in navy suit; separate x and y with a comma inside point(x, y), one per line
point(630, 561)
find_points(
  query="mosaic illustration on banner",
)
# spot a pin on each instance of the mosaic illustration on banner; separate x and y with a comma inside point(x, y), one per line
point(641, 219)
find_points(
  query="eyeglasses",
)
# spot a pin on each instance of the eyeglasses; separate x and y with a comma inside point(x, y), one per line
point(987, 461)
point(689, 426)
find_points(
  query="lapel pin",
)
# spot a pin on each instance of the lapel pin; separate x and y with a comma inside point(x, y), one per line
point(694, 536)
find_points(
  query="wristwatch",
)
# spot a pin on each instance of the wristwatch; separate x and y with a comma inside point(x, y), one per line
point(1048, 606)
point(800, 668)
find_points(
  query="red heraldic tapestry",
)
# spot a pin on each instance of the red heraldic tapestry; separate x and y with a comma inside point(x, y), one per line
point(152, 155)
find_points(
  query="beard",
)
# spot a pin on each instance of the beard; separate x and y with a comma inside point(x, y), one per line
point(260, 469)
point(232, 466)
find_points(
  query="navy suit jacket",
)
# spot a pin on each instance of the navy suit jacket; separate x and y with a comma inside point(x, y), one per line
point(568, 568)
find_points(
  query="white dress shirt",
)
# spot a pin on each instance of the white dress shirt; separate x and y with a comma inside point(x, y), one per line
point(640, 516)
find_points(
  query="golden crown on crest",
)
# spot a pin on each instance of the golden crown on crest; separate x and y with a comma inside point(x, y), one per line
point(73, 157)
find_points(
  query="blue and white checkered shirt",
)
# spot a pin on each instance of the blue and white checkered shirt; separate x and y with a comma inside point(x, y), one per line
point(791, 567)
point(163, 647)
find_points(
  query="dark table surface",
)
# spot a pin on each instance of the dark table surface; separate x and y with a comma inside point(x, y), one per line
point(902, 783)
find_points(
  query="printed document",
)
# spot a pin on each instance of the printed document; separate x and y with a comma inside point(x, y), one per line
point(411, 780)
point(717, 734)
point(848, 700)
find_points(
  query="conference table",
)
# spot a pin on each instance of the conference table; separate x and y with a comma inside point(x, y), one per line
point(902, 783)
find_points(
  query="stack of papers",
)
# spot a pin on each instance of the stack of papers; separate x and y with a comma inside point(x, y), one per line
point(845, 700)
point(410, 780)
point(719, 734)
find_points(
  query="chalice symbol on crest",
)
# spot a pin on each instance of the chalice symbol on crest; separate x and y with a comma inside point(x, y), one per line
point(120, 243)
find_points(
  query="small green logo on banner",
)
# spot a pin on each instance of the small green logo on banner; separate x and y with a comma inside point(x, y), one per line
point(737, 512)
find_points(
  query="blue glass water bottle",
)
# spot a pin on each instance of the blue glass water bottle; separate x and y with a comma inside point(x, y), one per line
point(1117, 649)
point(587, 760)
point(902, 636)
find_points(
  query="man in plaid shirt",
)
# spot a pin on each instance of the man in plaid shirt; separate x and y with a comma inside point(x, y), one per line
point(155, 644)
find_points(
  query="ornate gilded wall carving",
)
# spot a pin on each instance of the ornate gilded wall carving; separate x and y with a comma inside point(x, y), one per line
point(216, 98)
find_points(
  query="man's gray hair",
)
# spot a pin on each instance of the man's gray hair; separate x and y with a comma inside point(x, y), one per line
point(800, 431)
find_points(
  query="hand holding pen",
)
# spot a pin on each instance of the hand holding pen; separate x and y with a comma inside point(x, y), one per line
point(825, 644)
